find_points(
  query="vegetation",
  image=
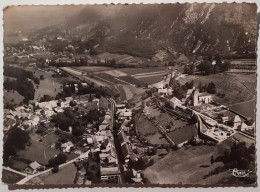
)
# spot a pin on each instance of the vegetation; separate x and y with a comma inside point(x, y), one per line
point(64, 119)
point(239, 157)
point(16, 140)
point(207, 68)
point(59, 159)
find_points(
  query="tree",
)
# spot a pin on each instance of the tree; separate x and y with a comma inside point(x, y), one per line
point(46, 98)
point(64, 120)
point(90, 98)
point(16, 140)
point(73, 103)
point(192, 120)
point(55, 169)
point(77, 130)
point(59, 159)
point(211, 159)
point(41, 77)
point(211, 88)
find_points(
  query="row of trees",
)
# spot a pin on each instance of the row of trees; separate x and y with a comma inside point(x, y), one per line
point(206, 67)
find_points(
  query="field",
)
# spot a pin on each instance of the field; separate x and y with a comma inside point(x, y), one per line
point(12, 97)
point(109, 78)
point(167, 120)
point(186, 166)
point(146, 129)
point(10, 177)
point(38, 152)
point(66, 175)
point(120, 58)
point(135, 71)
point(247, 108)
point(132, 81)
point(242, 138)
point(152, 80)
point(93, 69)
point(48, 86)
point(234, 90)
point(41, 153)
point(50, 139)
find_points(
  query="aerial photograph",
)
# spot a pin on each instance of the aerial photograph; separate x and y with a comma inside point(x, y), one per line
point(134, 95)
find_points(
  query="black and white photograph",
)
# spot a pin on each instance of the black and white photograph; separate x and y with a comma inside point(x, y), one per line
point(134, 95)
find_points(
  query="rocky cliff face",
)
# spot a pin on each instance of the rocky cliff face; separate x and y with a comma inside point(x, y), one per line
point(162, 31)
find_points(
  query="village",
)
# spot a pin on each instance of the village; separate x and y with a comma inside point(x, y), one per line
point(123, 160)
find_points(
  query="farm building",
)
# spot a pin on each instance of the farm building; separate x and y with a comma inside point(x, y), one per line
point(174, 102)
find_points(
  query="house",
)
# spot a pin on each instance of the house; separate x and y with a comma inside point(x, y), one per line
point(146, 110)
point(67, 147)
point(189, 92)
point(103, 126)
point(159, 85)
point(245, 127)
point(163, 91)
point(84, 156)
point(47, 105)
point(126, 149)
point(224, 119)
point(174, 102)
point(107, 173)
point(84, 85)
point(90, 141)
point(198, 98)
point(33, 167)
point(120, 106)
point(204, 98)
point(237, 122)
point(8, 123)
point(124, 113)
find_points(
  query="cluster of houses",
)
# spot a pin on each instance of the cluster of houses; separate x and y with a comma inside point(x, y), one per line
point(132, 149)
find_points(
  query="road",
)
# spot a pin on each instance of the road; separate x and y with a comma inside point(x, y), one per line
point(120, 163)
point(14, 171)
point(78, 74)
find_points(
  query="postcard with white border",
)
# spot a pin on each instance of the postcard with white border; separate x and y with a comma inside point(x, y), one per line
point(134, 95)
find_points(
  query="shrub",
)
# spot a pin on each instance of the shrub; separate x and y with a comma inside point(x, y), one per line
point(55, 169)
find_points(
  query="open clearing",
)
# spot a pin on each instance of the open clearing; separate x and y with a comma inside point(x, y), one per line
point(12, 97)
point(48, 86)
point(66, 175)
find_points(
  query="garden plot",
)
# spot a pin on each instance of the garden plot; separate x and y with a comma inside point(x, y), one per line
point(146, 129)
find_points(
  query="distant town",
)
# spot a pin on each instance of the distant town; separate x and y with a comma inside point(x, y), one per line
point(76, 114)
